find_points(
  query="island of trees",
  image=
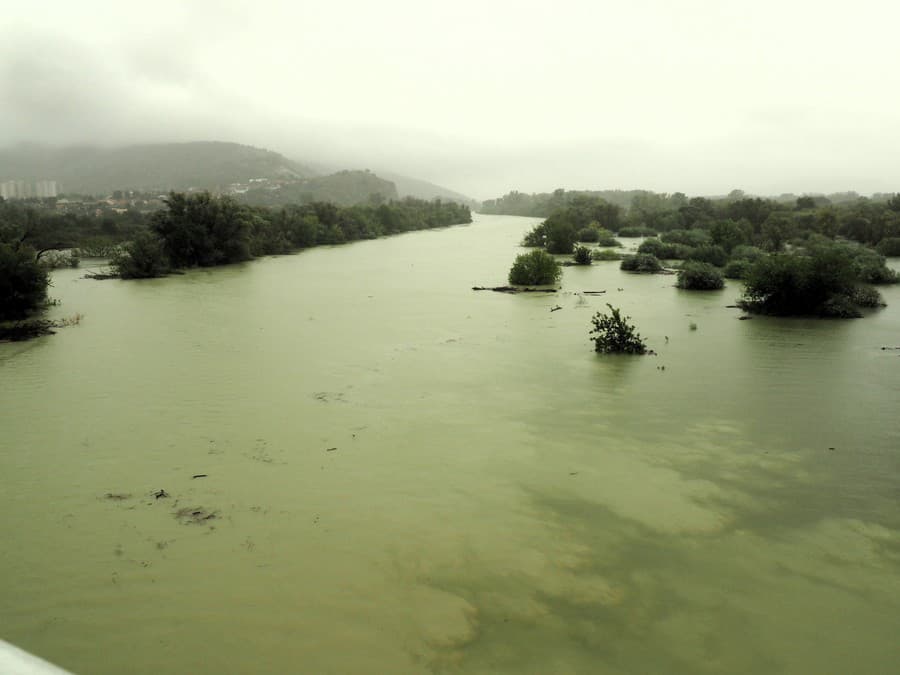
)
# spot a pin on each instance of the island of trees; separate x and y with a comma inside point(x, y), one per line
point(810, 257)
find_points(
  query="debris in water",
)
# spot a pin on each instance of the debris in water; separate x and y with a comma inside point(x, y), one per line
point(117, 496)
point(200, 475)
point(195, 515)
point(160, 494)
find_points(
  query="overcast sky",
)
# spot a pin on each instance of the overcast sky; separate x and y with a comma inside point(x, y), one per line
point(482, 96)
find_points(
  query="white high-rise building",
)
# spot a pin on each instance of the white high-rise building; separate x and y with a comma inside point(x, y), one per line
point(45, 188)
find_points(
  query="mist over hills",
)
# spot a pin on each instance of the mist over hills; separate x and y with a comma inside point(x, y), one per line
point(257, 175)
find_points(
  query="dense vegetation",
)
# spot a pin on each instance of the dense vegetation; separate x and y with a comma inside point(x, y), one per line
point(23, 282)
point(773, 244)
point(535, 268)
point(200, 230)
point(699, 276)
point(824, 279)
point(612, 334)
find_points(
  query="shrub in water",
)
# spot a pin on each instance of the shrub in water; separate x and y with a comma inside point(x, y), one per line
point(889, 246)
point(699, 276)
point(534, 268)
point(737, 269)
point(637, 231)
point(612, 334)
point(581, 255)
point(605, 254)
point(709, 253)
point(588, 234)
point(642, 262)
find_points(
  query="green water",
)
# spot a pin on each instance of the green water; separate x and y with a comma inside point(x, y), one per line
point(500, 499)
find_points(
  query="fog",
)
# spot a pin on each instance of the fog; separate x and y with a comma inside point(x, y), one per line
point(482, 97)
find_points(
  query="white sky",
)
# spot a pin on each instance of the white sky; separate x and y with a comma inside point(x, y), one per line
point(482, 96)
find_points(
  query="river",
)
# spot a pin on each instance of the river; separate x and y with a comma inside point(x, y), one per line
point(406, 476)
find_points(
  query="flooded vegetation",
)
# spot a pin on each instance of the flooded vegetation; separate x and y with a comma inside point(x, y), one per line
point(346, 460)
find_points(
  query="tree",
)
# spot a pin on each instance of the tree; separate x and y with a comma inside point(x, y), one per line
point(612, 334)
point(23, 282)
point(699, 276)
point(581, 255)
point(535, 268)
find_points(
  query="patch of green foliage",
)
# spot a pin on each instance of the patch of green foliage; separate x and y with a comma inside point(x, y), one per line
point(23, 282)
point(663, 250)
point(200, 230)
point(612, 334)
point(823, 281)
point(588, 235)
point(535, 268)
point(709, 253)
point(889, 246)
point(696, 237)
point(142, 258)
point(737, 269)
point(581, 255)
point(699, 276)
point(633, 231)
point(605, 254)
point(744, 252)
point(642, 262)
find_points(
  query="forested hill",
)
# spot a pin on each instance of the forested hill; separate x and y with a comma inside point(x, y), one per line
point(344, 188)
point(421, 189)
point(162, 166)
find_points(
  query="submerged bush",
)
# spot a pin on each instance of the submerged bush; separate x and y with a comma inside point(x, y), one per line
point(699, 276)
point(687, 237)
point(665, 250)
point(23, 282)
point(744, 252)
point(709, 253)
point(143, 258)
point(637, 231)
point(588, 234)
point(737, 269)
point(605, 254)
point(606, 238)
point(642, 262)
point(535, 268)
point(581, 255)
point(889, 246)
point(612, 334)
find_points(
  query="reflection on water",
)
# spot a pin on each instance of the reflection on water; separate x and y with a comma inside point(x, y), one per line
point(396, 474)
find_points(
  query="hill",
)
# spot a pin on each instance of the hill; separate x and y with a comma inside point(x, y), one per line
point(344, 188)
point(162, 166)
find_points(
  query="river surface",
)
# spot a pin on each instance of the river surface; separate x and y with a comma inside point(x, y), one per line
point(407, 476)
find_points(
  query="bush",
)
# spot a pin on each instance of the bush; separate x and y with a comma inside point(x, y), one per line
point(588, 235)
point(613, 335)
point(637, 231)
point(536, 237)
point(699, 276)
point(709, 253)
point(871, 267)
point(605, 254)
point(744, 252)
point(890, 246)
point(581, 255)
point(687, 237)
point(737, 269)
point(663, 250)
point(536, 268)
point(866, 296)
point(822, 283)
point(23, 283)
point(642, 262)
point(606, 238)
point(143, 258)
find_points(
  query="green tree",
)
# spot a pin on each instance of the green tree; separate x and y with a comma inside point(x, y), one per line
point(23, 282)
point(535, 268)
point(612, 334)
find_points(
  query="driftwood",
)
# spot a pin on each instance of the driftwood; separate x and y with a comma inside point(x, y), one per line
point(593, 292)
point(513, 289)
